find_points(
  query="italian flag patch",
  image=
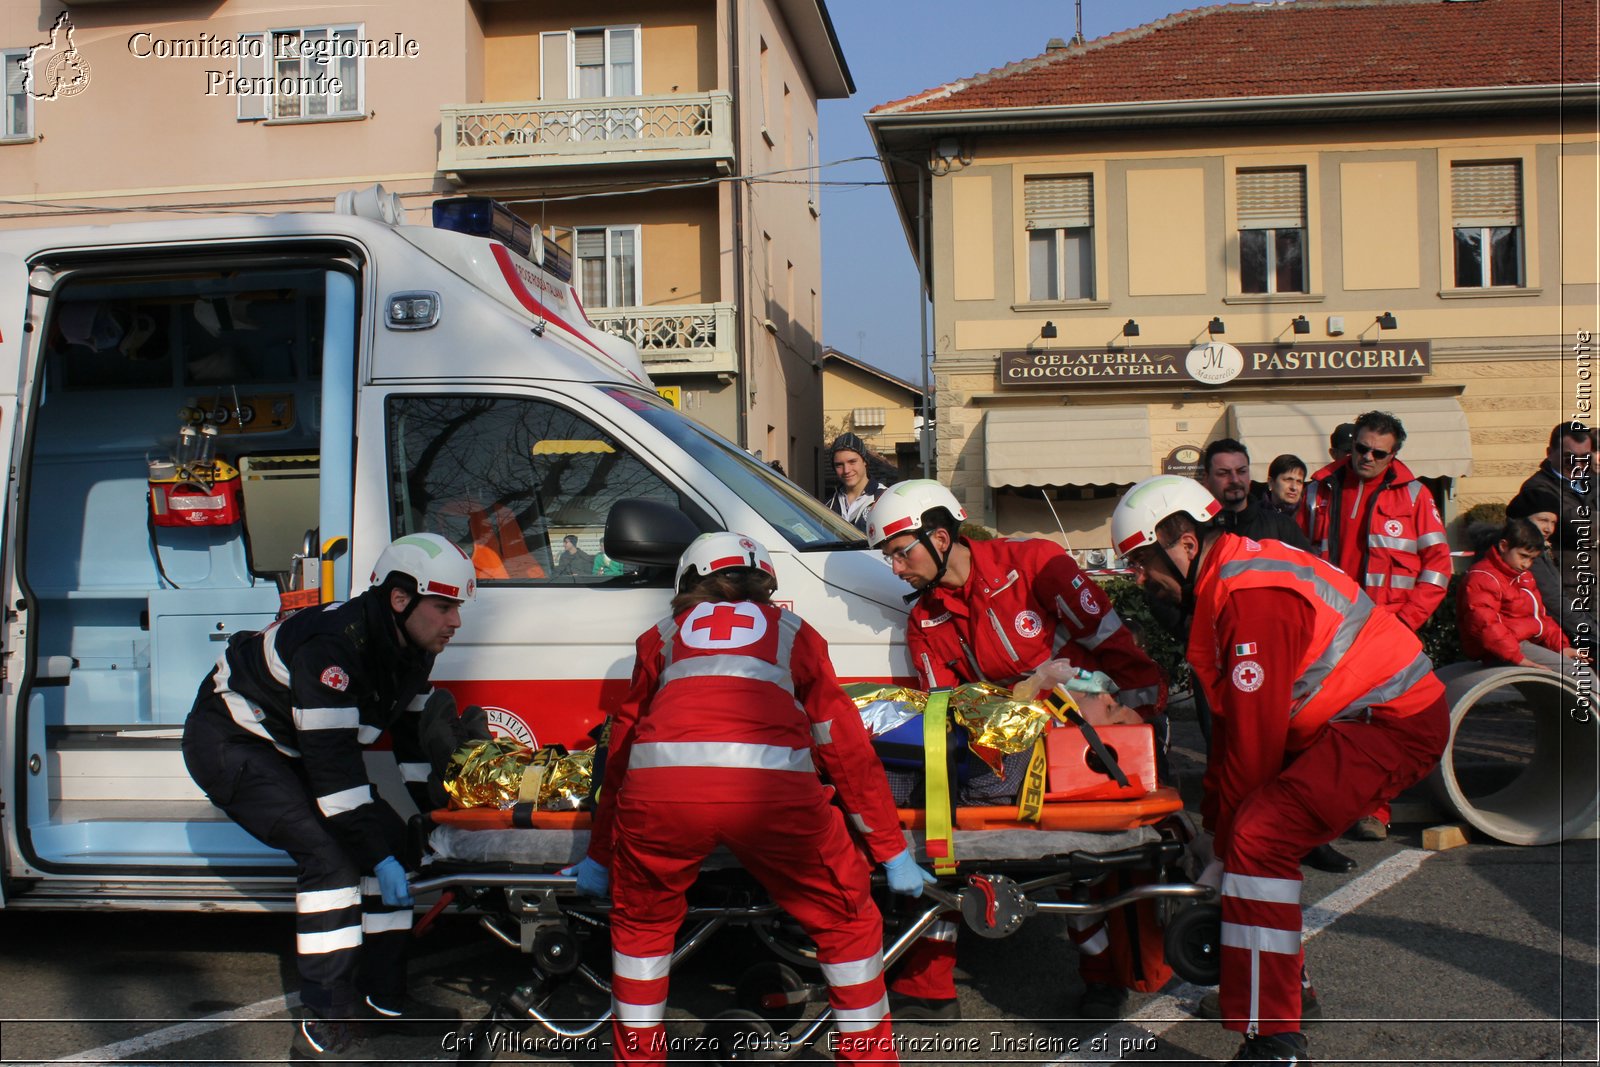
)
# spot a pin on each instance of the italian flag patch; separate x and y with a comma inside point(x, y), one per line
point(1247, 649)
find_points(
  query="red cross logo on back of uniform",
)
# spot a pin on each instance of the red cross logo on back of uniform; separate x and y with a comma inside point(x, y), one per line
point(722, 623)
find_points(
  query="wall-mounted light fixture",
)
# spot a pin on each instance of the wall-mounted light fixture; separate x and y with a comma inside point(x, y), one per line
point(1216, 326)
point(1387, 321)
point(1301, 324)
point(1130, 329)
point(947, 154)
point(1049, 331)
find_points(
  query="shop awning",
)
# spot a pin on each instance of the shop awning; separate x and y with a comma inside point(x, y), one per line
point(1058, 445)
point(1437, 442)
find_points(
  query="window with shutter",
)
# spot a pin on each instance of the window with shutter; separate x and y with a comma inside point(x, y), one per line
point(1486, 215)
point(315, 72)
point(1271, 207)
point(18, 121)
point(1059, 214)
point(608, 265)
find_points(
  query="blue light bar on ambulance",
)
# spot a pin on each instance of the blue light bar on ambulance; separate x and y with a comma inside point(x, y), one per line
point(481, 216)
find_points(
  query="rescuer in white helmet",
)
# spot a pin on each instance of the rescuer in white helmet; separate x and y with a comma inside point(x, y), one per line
point(275, 739)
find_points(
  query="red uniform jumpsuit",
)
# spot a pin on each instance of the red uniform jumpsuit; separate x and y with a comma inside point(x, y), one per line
point(1323, 706)
point(1499, 608)
point(1026, 602)
point(732, 707)
point(1393, 543)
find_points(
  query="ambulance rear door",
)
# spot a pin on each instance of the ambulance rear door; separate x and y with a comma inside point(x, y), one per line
point(13, 315)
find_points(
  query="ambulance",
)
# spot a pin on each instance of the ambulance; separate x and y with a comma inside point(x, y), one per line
point(209, 421)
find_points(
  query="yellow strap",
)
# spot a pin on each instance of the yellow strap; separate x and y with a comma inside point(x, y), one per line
point(1030, 801)
point(940, 840)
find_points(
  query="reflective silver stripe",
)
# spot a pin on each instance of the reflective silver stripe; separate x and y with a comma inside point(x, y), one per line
point(854, 972)
point(859, 823)
point(1110, 623)
point(384, 922)
point(345, 800)
point(943, 930)
point(245, 714)
point(1256, 887)
point(1413, 673)
point(317, 901)
point(419, 701)
point(1096, 944)
point(370, 887)
point(1000, 632)
point(854, 1020)
point(788, 629)
point(275, 665)
point(1067, 613)
point(329, 941)
point(667, 629)
point(1402, 581)
point(1261, 939)
point(1428, 540)
point(640, 968)
point(1354, 615)
point(326, 718)
point(1399, 544)
point(756, 670)
point(1138, 698)
point(638, 1016)
point(822, 732)
point(655, 754)
point(366, 734)
point(415, 772)
point(1435, 578)
point(1321, 547)
point(1375, 581)
point(1415, 489)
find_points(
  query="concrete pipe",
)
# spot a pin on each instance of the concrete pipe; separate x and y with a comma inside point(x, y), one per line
point(1552, 793)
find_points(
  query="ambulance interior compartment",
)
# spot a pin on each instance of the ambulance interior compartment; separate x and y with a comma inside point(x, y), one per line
point(128, 616)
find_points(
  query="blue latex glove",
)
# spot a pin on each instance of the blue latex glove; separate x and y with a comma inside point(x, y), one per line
point(392, 882)
point(905, 876)
point(594, 880)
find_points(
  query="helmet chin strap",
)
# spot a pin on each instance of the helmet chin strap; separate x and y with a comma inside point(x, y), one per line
point(943, 561)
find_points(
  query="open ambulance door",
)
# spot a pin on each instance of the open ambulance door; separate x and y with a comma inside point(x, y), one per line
point(13, 314)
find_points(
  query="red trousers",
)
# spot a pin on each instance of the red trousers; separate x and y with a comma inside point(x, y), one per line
point(809, 865)
point(1352, 766)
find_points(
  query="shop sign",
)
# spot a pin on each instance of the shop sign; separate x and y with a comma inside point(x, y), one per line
point(1216, 363)
point(1183, 460)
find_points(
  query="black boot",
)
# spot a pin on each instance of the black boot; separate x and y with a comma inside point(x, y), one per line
point(1327, 858)
point(1286, 1049)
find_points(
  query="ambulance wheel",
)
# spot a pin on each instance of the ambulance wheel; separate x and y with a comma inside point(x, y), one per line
point(739, 1036)
point(764, 990)
point(1194, 944)
point(555, 951)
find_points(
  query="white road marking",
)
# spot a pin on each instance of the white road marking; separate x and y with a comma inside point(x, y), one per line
point(138, 1048)
point(1162, 1013)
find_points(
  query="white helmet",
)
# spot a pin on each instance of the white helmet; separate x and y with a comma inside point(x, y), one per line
point(435, 563)
point(723, 551)
point(1133, 523)
point(900, 510)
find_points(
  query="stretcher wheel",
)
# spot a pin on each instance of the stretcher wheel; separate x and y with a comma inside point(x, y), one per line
point(773, 991)
point(1194, 944)
point(787, 942)
point(739, 1036)
point(555, 951)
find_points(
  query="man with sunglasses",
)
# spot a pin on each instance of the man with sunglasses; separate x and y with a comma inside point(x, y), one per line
point(995, 611)
point(1370, 517)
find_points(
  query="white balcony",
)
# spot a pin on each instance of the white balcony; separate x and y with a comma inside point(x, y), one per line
point(613, 131)
point(676, 339)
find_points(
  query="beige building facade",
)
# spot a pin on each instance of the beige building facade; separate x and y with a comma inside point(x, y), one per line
point(1117, 283)
point(638, 136)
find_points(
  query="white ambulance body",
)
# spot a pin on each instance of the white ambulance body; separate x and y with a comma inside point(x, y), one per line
point(364, 379)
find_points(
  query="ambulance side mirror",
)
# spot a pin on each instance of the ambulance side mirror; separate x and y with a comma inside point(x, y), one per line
point(648, 533)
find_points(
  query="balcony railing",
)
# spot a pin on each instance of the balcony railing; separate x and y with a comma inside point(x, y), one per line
point(681, 338)
point(681, 127)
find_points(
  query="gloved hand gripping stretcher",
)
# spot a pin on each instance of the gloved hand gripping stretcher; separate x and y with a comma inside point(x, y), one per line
point(993, 869)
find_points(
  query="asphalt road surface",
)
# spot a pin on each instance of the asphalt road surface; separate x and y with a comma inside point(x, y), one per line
point(1484, 953)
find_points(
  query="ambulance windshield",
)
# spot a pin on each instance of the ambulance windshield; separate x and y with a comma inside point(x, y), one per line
point(793, 512)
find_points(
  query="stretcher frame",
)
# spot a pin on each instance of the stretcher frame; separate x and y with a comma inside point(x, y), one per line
point(994, 896)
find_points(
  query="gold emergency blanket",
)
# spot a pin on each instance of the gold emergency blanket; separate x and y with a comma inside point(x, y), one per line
point(998, 723)
point(499, 772)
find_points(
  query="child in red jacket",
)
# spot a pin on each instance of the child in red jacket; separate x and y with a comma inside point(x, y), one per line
point(1498, 611)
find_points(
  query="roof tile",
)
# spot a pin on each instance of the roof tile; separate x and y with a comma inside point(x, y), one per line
point(1309, 47)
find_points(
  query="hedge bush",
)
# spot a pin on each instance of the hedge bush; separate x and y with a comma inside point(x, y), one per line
point(1128, 598)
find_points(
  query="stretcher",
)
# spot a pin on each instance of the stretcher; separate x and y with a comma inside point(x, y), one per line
point(504, 864)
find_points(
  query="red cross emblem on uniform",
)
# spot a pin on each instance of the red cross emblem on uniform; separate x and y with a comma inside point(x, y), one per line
point(1248, 675)
point(722, 622)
